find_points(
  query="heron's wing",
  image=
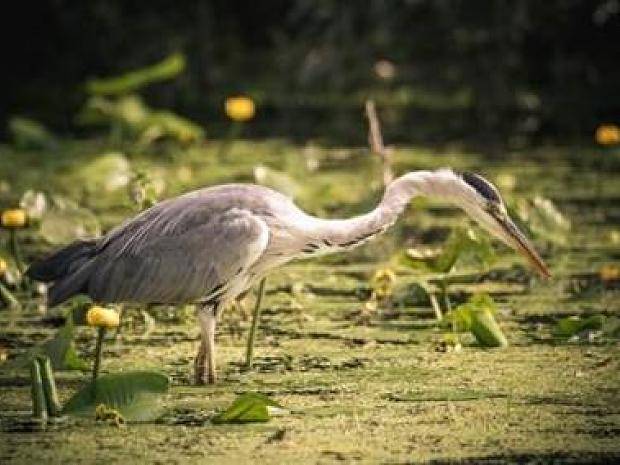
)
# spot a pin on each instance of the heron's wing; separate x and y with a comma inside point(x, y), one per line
point(177, 253)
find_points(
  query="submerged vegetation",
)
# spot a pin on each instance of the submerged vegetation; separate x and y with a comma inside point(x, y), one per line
point(430, 343)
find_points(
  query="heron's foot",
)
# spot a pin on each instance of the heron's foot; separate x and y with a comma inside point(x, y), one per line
point(204, 377)
point(203, 373)
point(199, 367)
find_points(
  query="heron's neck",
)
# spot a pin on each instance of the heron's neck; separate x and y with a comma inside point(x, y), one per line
point(354, 231)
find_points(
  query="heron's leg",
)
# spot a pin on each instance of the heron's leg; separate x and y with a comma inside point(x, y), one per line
point(205, 360)
point(249, 354)
point(199, 362)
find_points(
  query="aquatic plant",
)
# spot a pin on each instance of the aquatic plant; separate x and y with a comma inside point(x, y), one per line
point(462, 245)
point(101, 318)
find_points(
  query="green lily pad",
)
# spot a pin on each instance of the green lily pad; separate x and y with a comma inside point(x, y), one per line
point(463, 245)
point(29, 134)
point(168, 68)
point(60, 350)
point(541, 218)
point(477, 317)
point(250, 407)
point(66, 222)
point(137, 396)
point(572, 325)
point(108, 172)
point(445, 395)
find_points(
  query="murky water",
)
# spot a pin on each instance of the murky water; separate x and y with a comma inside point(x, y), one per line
point(376, 389)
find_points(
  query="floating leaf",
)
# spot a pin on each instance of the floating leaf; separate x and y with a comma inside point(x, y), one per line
point(248, 408)
point(572, 325)
point(463, 244)
point(486, 330)
point(477, 316)
point(541, 218)
point(135, 118)
point(137, 395)
point(128, 111)
point(161, 124)
point(168, 68)
point(67, 225)
point(60, 350)
point(31, 135)
point(451, 395)
point(108, 172)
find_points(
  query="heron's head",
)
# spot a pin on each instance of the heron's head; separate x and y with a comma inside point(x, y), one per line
point(482, 201)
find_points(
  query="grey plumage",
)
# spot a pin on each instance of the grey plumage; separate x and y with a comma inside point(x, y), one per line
point(209, 246)
point(177, 251)
point(220, 238)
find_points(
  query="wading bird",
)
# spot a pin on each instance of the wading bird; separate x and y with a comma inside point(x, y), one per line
point(211, 245)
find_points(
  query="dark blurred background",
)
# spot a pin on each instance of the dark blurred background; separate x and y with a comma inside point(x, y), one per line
point(501, 71)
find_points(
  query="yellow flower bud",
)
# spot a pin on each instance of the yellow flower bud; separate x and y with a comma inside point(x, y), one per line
point(3, 266)
point(102, 317)
point(607, 134)
point(383, 282)
point(240, 108)
point(609, 273)
point(14, 218)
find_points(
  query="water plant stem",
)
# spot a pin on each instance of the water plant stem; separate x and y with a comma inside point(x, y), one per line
point(39, 409)
point(49, 387)
point(17, 256)
point(255, 317)
point(8, 297)
point(436, 306)
point(233, 133)
point(443, 286)
point(98, 350)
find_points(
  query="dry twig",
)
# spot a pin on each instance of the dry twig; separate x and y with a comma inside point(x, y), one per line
point(375, 140)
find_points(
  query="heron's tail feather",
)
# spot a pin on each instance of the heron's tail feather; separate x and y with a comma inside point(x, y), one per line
point(75, 283)
point(68, 268)
point(62, 262)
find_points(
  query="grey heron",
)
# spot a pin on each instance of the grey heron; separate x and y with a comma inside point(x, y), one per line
point(211, 245)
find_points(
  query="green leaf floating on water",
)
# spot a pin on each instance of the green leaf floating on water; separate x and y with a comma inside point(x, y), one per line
point(572, 325)
point(540, 217)
point(134, 117)
point(136, 395)
point(29, 134)
point(66, 222)
point(463, 244)
point(60, 350)
point(250, 407)
point(168, 68)
point(445, 395)
point(477, 316)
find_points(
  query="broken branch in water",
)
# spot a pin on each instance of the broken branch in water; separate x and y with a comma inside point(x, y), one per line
point(375, 140)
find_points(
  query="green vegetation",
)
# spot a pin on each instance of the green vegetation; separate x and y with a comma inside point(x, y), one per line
point(377, 390)
point(250, 407)
point(134, 395)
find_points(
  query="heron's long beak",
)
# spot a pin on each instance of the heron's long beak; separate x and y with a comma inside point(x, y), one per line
point(515, 238)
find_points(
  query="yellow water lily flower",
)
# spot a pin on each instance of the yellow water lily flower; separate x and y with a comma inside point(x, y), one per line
point(609, 273)
point(382, 282)
point(607, 134)
point(102, 317)
point(14, 218)
point(240, 108)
